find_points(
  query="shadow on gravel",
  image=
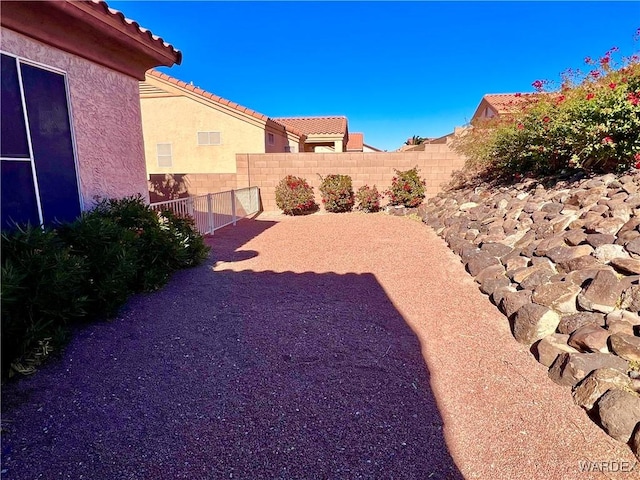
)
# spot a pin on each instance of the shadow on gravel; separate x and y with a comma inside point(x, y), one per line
point(244, 375)
point(226, 242)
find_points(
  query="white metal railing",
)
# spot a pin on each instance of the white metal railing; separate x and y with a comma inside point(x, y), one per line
point(215, 210)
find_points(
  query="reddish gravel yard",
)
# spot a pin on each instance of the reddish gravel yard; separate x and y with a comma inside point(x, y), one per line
point(331, 346)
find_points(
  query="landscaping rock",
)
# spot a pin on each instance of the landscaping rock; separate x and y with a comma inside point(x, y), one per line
point(551, 346)
point(628, 266)
point(564, 254)
point(602, 294)
point(606, 253)
point(596, 384)
point(635, 443)
point(619, 326)
point(532, 322)
point(590, 338)
point(626, 346)
point(631, 299)
point(570, 323)
point(512, 301)
point(479, 262)
point(570, 368)
point(560, 296)
point(490, 285)
point(619, 412)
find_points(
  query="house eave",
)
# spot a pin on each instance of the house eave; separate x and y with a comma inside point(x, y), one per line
point(91, 31)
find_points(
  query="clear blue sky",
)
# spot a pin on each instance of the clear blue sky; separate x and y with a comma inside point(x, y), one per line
point(394, 69)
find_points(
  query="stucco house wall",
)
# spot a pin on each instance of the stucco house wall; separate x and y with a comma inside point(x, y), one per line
point(105, 115)
point(177, 120)
point(174, 112)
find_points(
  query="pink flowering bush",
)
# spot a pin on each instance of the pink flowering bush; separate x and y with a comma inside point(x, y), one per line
point(294, 196)
point(368, 199)
point(592, 122)
point(337, 193)
point(407, 188)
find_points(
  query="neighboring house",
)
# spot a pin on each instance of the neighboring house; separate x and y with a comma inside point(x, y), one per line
point(71, 129)
point(322, 134)
point(190, 131)
point(369, 149)
point(498, 104)
point(356, 143)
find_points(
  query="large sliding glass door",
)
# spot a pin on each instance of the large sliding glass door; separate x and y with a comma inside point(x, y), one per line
point(39, 178)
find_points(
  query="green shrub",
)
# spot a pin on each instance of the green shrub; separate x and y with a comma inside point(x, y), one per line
point(190, 249)
point(42, 285)
point(591, 122)
point(85, 270)
point(294, 196)
point(111, 255)
point(368, 199)
point(337, 193)
point(407, 188)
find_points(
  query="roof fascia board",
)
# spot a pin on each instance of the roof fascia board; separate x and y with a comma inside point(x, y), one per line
point(78, 28)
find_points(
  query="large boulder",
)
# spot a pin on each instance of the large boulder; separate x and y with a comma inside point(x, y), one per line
point(602, 294)
point(551, 346)
point(570, 368)
point(570, 323)
point(596, 384)
point(619, 412)
point(626, 346)
point(532, 322)
point(560, 296)
point(590, 338)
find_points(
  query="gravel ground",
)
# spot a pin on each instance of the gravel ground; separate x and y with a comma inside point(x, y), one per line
point(322, 347)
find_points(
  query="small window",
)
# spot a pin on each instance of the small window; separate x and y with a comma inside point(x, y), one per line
point(290, 148)
point(271, 139)
point(209, 138)
point(164, 155)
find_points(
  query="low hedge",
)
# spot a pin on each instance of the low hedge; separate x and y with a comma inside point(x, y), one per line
point(85, 270)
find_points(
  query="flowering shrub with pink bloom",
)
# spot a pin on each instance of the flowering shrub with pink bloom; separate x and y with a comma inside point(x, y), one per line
point(368, 199)
point(407, 188)
point(337, 193)
point(592, 121)
point(294, 196)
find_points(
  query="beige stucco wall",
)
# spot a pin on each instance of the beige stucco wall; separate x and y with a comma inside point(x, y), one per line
point(105, 112)
point(177, 119)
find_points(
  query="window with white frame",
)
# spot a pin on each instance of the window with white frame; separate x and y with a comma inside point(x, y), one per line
point(165, 158)
point(37, 152)
point(271, 139)
point(209, 138)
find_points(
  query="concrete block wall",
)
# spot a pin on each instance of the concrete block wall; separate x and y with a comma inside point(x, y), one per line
point(203, 183)
point(436, 164)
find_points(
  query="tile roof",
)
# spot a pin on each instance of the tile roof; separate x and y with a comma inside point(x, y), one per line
point(507, 102)
point(316, 125)
point(133, 27)
point(355, 142)
point(215, 98)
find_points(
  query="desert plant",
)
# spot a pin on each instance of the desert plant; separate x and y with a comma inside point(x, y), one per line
point(337, 193)
point(41, 289)
point(407, 188)
point(368, 199)
point(85, 270)
point(294, 196)
point(591, 122)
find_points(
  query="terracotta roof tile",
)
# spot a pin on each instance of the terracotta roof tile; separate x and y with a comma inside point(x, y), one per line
point(316, 125)
point(355, 142)
point(135, 28)
point(217, 99)
point(507, 102)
